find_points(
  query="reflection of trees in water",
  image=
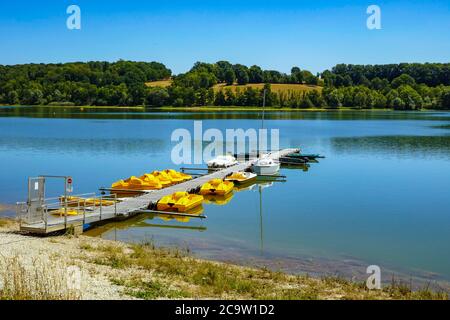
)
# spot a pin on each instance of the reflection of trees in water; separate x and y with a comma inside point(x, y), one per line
point(397, 146)
point(97, 145)
point(114, 113)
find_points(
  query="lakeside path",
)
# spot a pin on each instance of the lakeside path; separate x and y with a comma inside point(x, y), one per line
point(39, 268)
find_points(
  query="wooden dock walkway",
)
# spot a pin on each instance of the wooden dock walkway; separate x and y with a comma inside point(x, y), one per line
point(132, 206)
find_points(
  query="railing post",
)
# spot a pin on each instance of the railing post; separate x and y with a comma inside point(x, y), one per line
point(115, 204)
point(65, 203)
point(84, 212)
point(101, 207)
point(45, 213)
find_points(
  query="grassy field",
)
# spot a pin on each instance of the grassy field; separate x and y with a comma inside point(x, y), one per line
point(160, 83)
point(276, 87)
point(222, 86)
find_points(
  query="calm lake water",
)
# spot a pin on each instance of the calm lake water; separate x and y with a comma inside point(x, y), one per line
point(381, 196)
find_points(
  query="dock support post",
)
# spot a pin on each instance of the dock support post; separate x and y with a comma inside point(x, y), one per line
point(78, 229)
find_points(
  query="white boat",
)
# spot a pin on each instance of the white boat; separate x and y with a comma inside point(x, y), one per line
point(224, 161)
point(241, 177)
point(266, 166)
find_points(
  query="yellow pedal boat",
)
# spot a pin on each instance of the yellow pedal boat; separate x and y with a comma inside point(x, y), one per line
point(217, 187)
point(154, 181)
point(73, 201)
point(61, 212)
point(177, 176)
point(163, 178)
point(179, 201)
point(134, 183)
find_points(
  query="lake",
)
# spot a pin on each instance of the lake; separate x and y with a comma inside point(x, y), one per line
point(380, 197)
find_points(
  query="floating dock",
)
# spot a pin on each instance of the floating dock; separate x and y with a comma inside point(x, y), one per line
point(35, 217)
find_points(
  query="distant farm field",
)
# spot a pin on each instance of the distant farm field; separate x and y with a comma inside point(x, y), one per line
point(222, 86)
point(160, 83)
point(276, 87)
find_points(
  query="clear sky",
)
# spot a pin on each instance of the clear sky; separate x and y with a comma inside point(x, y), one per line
point(311, 34)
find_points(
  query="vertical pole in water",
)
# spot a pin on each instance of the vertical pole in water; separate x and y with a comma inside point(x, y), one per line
point(264, 107)
point(115, 204)
point(261, 218)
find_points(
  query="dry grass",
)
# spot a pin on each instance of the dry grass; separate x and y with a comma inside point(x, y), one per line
point(175, 274)
point(6, 223)
point(276, 87)
point(160, 83)
point(40, 281)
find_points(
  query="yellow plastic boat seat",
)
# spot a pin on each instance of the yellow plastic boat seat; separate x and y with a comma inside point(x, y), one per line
point(121, 184)
point(152, 181)
point(98, 202)
point(135, 183)
point(73, 201)
point(189, 202)
point(174, 175)
point(217, 186)
point(237, 176)
point(164, 179)
point(168, 202)
point(61, 212)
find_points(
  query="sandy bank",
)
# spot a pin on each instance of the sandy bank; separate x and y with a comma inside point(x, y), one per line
point(114, 270)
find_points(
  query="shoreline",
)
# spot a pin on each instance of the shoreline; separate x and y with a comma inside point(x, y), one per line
point(115, 270)
point(222, 108)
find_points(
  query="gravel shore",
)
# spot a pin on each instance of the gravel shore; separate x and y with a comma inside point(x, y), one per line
point(109, 270)
point(60, 252)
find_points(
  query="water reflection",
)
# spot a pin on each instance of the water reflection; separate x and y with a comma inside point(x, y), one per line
point(394, 146)
point(136, 113)
point(76, 146)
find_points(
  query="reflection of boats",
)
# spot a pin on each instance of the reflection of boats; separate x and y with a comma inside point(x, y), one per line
point(223, 161)
point(242, 177)
point(266, 166)
point(180, 201)
point(302, 166)
point(217, 187)
point(198, 210)
point(218, 200)
point(145, 220)
point(265, 185)
point(244, 187)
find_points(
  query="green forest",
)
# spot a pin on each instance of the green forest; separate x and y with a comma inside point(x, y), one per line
point(405, 86)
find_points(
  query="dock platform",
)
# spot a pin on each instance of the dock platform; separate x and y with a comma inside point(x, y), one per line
point(127, 207)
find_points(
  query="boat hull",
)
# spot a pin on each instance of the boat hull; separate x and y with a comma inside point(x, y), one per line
point(266, 170)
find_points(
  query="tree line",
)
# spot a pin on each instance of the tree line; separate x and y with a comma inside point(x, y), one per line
point(93, 83)
point(398, 86)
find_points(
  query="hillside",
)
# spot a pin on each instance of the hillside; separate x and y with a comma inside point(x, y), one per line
point(276, 87)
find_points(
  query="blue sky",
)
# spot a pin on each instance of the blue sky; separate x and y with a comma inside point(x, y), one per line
point(312, 34)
